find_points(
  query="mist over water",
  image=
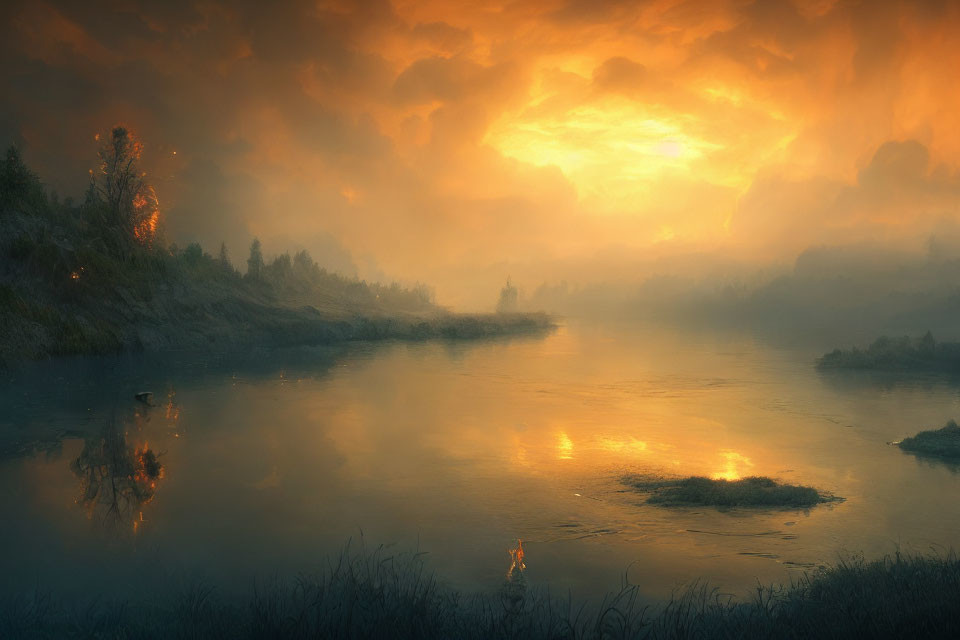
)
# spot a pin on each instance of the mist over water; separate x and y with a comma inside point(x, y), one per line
point(272, 460)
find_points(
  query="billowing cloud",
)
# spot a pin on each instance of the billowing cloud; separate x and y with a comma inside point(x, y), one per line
point(898, 198)
point(435, 139)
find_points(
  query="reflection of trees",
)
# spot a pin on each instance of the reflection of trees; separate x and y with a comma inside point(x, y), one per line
point(116, 479)
point(934, 461)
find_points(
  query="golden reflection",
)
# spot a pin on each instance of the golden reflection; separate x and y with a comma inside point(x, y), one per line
point(173, 411)
point(627, 446)
point(517, 565)
point(733, 461)
point(564, 446)
point(515, 588)
point(520, 456)
point(117, 478)
point(172, 414)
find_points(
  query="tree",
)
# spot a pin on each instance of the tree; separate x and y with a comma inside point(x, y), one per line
point(224, 258)
point(303, 264)
point(255, 261)
point(193, 254)
point(509, 299)
point(130, 202)
point(281, 268)
point(16, 180)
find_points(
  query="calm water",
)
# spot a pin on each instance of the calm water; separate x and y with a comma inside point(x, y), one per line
point(273, 460)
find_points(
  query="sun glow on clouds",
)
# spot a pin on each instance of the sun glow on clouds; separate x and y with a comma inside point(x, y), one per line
point(613, 152)
point(446, 138)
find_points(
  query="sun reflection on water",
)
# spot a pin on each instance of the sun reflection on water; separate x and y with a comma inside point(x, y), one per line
point(564, 446)
point(623, 445)
point(733, 462)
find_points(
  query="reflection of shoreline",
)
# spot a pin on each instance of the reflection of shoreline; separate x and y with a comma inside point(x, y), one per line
point(88, 388)
point(888, 379)
point(934, 461)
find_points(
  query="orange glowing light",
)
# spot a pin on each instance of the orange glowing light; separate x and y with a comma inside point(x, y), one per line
point(516, 559)
point(148, 470)
point(147, 229)
point(732, 462)
point(564, 446)
point(147, 210)
point(173, 411)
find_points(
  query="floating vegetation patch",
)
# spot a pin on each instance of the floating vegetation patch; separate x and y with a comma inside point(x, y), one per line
point(755, 491)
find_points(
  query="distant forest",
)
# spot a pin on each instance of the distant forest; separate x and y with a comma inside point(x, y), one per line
point(830, 293)
point(900, 353)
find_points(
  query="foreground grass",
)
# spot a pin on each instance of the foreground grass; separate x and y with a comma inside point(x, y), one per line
point(898, 354)
point(940, 443)
point(377, 595)
point(755, 491)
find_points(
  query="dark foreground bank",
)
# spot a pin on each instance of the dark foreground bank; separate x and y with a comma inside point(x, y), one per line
point(382, 595)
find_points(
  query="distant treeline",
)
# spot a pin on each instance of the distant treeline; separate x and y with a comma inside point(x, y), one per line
point(905, 353)
point(95, 276)
point(828, 293)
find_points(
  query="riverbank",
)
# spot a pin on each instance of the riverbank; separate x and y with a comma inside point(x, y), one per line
point(381, 594)
point(88, 279)
point(30, 330)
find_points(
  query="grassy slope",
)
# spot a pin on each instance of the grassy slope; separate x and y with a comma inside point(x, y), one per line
point(748, 492)
point(71, 283)
point(380, 595)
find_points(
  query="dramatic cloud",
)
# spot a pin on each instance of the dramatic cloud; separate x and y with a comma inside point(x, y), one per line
point(454, 141)
point(898, 199)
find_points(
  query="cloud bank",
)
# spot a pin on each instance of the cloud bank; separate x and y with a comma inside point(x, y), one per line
point(454, 142)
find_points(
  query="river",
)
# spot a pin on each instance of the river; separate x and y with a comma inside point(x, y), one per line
point(270, 461)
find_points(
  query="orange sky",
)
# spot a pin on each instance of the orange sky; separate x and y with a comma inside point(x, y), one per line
point(455, 142)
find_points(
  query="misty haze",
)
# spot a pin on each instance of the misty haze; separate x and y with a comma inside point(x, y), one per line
point(544, 319)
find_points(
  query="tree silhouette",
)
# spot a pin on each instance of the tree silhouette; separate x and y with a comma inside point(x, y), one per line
point(16, 180)
point(509, 298)
point(255, 261)
point(224, 258)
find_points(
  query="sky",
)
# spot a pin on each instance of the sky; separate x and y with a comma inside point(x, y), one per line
point(456, 143)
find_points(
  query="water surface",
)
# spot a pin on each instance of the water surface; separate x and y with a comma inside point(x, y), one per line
point(272, 460)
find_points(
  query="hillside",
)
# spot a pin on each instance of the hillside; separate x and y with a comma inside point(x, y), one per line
point(96, 277)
